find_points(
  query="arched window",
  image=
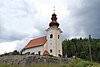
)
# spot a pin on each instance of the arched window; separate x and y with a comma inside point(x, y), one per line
point(39, 52)
point(50, 50)
point(51, 35)
point(58, 36)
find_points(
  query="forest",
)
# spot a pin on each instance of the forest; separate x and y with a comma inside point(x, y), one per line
point(87, 48)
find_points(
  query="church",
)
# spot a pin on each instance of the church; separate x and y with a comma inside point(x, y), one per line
point(50, 44)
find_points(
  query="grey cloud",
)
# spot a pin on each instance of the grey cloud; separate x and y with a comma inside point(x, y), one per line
point(10, 36)
point(6, 36)
point(16, 8)
point(86, 18)
point(8, 11)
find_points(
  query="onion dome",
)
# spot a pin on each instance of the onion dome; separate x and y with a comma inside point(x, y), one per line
point(54, 22)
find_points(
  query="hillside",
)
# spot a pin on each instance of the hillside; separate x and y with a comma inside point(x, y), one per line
point(32, 59)
point(74, 63)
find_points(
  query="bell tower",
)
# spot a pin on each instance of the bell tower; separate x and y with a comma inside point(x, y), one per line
point(54, 38)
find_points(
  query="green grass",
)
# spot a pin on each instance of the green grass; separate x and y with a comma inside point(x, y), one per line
point(33, 65)
point(82, 63)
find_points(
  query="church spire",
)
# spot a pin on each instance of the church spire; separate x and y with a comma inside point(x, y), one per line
point(54, 18)
point(54, 22)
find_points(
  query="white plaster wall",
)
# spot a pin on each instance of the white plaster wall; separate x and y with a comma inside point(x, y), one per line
point(35, 50)
point(45, 46)
point(59, 43)
point(56, 43)
point(52, 41)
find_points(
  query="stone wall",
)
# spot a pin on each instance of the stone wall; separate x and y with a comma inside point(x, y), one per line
point(32, 59)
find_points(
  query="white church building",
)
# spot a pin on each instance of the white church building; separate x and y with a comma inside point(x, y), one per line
point(50, 44)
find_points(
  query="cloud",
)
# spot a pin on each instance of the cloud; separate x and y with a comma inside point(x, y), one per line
point(83, 19)
point(90, 17)
point(7, 46)
point(11, 36)
point(78, 18)
point(6, 36)
point(14, 18)
point(17, 20)
point(9, 15)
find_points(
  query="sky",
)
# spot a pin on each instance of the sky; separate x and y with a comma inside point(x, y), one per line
point(23, 20)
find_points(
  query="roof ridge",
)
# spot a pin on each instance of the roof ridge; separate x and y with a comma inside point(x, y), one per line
point(38, 37)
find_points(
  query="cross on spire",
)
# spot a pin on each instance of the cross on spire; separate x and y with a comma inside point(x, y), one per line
point(54, 9)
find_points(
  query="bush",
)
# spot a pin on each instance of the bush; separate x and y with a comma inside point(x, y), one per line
point(78, 63)
point(15, 52)
point(82, 64)
point(63, 65)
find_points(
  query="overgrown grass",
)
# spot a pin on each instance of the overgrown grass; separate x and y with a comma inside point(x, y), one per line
point(33, 65)
point(82, 63)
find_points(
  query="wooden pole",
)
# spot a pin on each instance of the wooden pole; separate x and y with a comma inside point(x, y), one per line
point(90, 48)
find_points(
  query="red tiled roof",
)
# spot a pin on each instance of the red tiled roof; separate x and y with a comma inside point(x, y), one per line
point(46, 52)
point(36, 42)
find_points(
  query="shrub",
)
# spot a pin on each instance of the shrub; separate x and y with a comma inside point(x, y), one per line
point(15, 52)
point(82, 64)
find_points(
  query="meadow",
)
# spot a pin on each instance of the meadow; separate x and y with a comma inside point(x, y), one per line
point(34, 65)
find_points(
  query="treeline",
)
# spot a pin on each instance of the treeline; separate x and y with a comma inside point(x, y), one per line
point(80, 48)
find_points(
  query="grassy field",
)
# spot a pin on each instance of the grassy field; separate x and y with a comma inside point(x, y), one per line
point(82, 63)
point(75, 63)
point(34, 65)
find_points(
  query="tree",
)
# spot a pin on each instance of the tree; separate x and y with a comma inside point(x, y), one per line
point(80, 48)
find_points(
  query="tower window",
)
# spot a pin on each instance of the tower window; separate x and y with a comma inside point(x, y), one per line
point(58, 36)
point(50, 50)
point(59, 51)
point(51, 35)
point(39, 52)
